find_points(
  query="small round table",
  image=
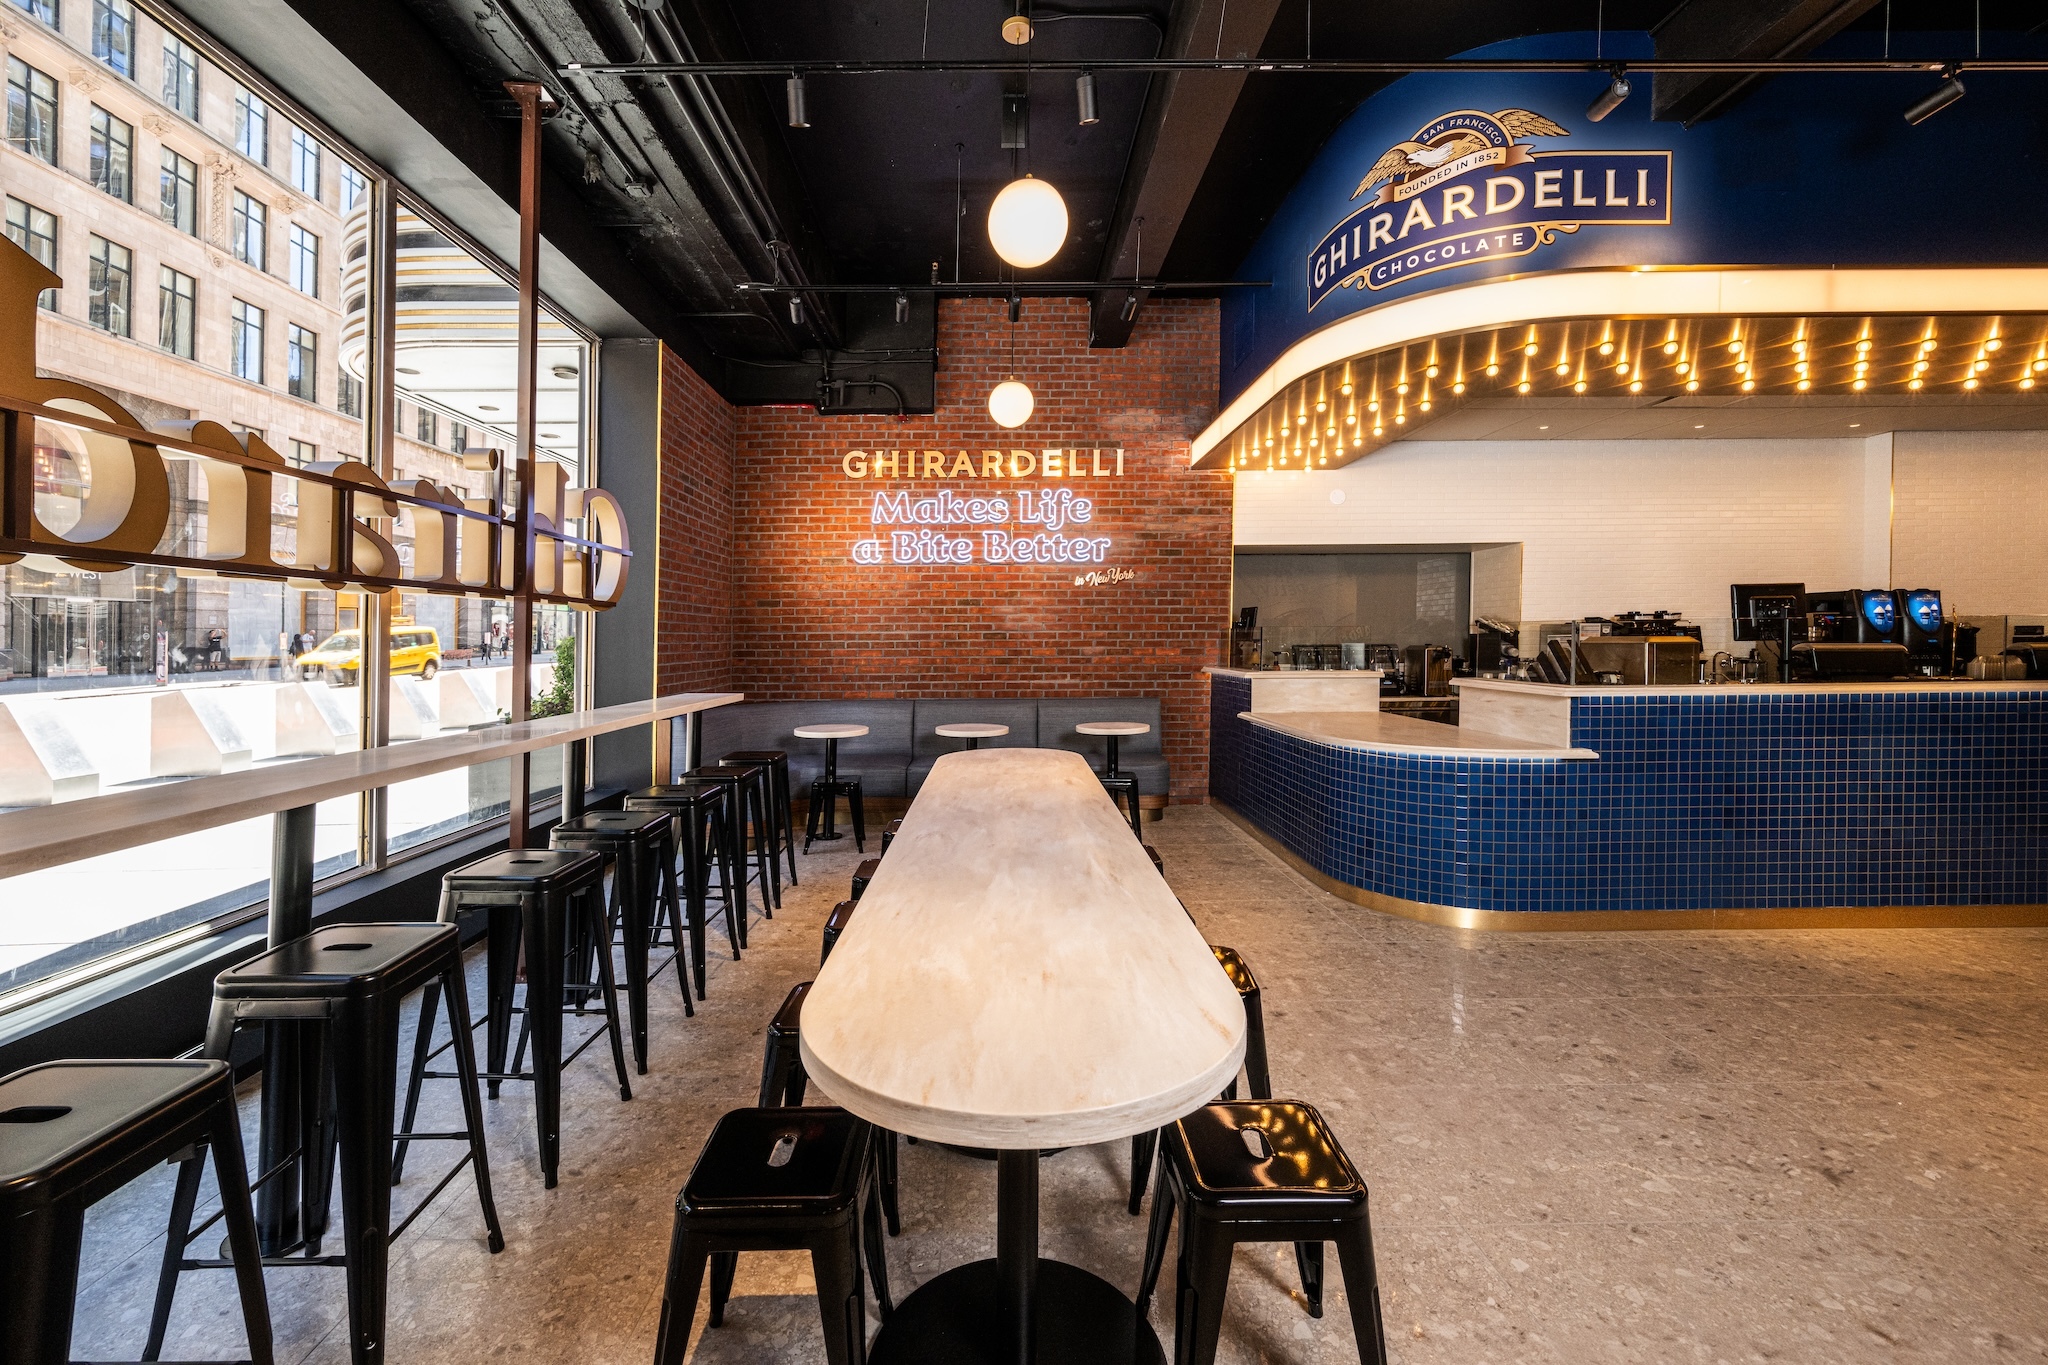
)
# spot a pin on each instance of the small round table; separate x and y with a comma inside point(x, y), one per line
point(972, 731)
point(1111, 730)
point(831, 734)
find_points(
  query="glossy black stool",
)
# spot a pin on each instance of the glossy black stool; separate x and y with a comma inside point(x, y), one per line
point(1257, 1075)
point(1124, 786)
point(821, 820)
point(783, 1082)
point(780, 798)
point(779, 1180)
point(864, 874)
point(341, 986)
point(756, 822)
point(889, 833)
point(1258, 1172)
point(835, 925)
point(546, 901)
point(72, 1133)
point(702, 812)
point(639, 846)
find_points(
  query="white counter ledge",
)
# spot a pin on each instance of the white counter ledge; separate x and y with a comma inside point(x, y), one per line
point(1381, 732)
point(1308, 689)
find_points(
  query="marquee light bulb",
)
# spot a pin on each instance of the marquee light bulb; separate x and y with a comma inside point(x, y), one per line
point(1748, 384)
point(1803, 385)
point(1606, 348)
point(1970, 383)
point(1860, 385)
point(1622, 368)
point(1735, 348)
point(1684, 368)
point(1400, 419)
point(2027, 383)
point(1635, 386)
point(1424, 405)
point(1919, 367)
point(1401, 387)
point(1993, 344)
point(1344, 389)
point(1373, 406)
point(1670, 348)
point(1692, 385)
point(1010, 404)
point(1495, 369)
point(1742, 367)
point(1564, 367)
point(1530, 349)
point(1522, 387)
point(1350, 419)
point(1379, 431)
point(1320, 405)
point(1027, 223)
point(1912, 383)
point(1458, 387)
point(1983, 365)
point(1431, 371)
point(1579, 387)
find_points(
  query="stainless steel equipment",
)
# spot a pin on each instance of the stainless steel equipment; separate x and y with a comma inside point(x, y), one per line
point(1652, 660)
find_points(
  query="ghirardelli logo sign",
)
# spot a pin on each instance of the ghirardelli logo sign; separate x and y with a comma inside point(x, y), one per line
point(1466, 188)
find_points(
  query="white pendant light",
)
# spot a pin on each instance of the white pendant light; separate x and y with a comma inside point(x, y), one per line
point(1010, 403)
point(1027, 224)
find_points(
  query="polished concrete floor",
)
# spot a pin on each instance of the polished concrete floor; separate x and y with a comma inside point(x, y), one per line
point(1698, 1147)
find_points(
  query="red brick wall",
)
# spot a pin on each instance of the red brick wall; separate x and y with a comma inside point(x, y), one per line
point(693, 612)
point(809, 623)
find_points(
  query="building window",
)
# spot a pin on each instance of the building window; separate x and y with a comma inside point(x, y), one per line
point(111, 155)
point(35, 232)
point(305, 261)
point(45, 10)
point(109, 273)
point(353, 187)
point(177, 192)
point(305, 162)
point(250, 232)
point(252, 127)
point(31, 111)
point(427, 426)
point(113, 34)
point(245, 341)
point(302, 364)
point(181, 77)
point(303, 453)
point(458, 437)
point(174, 307)
point(348, 395)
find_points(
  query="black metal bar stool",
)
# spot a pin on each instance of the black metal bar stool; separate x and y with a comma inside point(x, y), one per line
point(343, 984)
point(779, 1180)
point(889, 833)
point(1258, 1172)
point(72, 1133)
point(821, 822)
point(1158, 863)
point(780, 799)
point(753, 825)
point(864, 874)
point(1258, 1076)
point(639, 845)
point(546, 900)
point(783, 1082)
point(701, 811)
point(835, 925)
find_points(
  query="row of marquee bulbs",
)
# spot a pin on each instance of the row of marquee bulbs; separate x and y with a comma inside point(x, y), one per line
point(1027, 225)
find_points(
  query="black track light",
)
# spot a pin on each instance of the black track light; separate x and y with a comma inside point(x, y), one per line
point(1016, 307)
point(902, 309)
point(796, 312)
point(1084, 96)
point(1609, 100)
point(1130, 305)
point(799, 115)
point(1939, 98)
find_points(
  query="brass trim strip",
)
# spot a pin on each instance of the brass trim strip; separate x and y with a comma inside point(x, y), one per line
point(1609, 921)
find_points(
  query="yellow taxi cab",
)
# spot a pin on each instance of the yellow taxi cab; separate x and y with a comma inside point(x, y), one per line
point(339, 658)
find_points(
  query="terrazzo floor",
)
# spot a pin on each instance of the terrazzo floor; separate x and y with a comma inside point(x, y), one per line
point(1697, 1147)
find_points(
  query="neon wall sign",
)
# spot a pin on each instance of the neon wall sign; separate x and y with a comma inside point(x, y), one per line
point(949, 526)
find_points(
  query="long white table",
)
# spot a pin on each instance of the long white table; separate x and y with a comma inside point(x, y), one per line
point(1018, 976)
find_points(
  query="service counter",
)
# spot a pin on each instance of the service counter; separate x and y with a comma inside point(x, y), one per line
point(1626, 807)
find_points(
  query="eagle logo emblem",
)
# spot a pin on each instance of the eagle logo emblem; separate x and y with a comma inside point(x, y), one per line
point(1447, 147)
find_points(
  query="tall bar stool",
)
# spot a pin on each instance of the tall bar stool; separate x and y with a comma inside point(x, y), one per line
point(72, 1133)
point(701, 811)
point(1257, 1075)
point(780, 798)
point(546, 900)
point(821, 824)
point(1258, 1172)
point(889, 833)
point(835, 924)
point(753, 824)
point(864, 874)
point(1116, 782)
point(345, 981)
point(779, 1180)
point(784, 1080)
point(639, 846)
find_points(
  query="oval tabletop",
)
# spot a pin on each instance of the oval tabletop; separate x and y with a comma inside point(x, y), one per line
point(971, 730)
point(1111, 727)
point(829, 731)
point(1018, 976)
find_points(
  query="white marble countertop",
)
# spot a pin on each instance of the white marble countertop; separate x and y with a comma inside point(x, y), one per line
point(1017, 975)
point(46, 836)
point(1223, 672)
point(1749, 689)
point(1382, 732)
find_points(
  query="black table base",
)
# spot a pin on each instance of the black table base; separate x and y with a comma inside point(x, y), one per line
point(959, 1319)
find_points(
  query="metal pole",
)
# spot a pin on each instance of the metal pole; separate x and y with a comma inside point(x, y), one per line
point(282, 1126)
point(1017, 1249)
point(530, 95)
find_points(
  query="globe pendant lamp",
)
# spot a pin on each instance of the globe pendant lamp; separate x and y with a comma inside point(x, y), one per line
point(1027, 223)
point(1010, 403)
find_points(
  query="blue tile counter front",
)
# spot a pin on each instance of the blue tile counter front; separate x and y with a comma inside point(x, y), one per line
point(1708, 800)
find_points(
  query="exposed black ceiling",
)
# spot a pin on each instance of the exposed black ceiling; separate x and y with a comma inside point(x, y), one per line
point(705, 187)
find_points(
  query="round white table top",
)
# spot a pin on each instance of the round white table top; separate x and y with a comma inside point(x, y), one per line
point(1018, 976)
point(971, 730)
point(830, 731)
point(1111, 727)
